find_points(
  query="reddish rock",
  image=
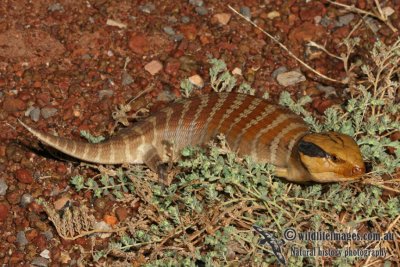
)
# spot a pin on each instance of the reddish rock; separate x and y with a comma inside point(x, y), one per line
point(138, 43)
point(153, 67)
point(3, 211)
point(24, 176)
point(312, 9)
point(110, 220)
point(321, 105)
point(40, 242)
point(172, 67)
point(122, 213)
point(306, 32)
point(14, 197)
point(12, 104)
point(189, 31)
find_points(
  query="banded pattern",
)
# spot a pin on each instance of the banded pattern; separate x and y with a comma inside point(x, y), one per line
point(252, 126)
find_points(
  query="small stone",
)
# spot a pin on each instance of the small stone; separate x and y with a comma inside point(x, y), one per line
point(106, 92)
point(290, 78)
point(21, 239)
point(3, 211)
point(45, 254)
point(172, 19)
point(222, 18)
point(48, 234)
point(201, 10)
point(127, 79)
point(245, 11)
point(344, 20)
point(12, 104)
point(3, 187)
point(40, 261)
point(147, 8)
point(24, 176)
point(138, 43)
point(110, 219)
point(189, 31)
point(34, 114)
point(153, 67)
point(114, 23)
point(55, 7)
point(26, 199)
point(121, 212)
point(196, 80)
point(196, 2)
point(325, 21)
point(273, 14)
point(60, 203)
point(237, 71)
point(388, 11)
point(185, 19)
point(102, 226)
point(327, 90)
point(48, 112)
point(168, 30)
point(178, 37)
point(278, 71)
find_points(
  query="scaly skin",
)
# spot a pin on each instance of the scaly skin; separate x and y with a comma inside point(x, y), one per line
point(252, 126)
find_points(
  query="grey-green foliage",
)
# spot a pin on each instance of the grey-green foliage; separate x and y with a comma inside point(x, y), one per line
point(105, 184)
point(91, 138)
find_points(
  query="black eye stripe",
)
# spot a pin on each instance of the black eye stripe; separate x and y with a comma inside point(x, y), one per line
point(312, 150)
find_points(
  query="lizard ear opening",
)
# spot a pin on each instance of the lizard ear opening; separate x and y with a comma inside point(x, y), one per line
point(311, 150)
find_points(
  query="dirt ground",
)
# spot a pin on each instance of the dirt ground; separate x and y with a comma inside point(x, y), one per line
point(66, 65)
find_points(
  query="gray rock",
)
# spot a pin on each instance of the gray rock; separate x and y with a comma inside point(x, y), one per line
point(127, 79)
point(55, 7)
point(49, 235)
point(35, 114)
point(290, 78)
point(168, 30)
point(25, 200)
point(147, 8)
point(48, 112)
point(344, 20)
point(245, 11)
point(172, 19)
point(325, 21)
point(201, 10)
point(279, 70)
point(40, 261)
point(105, 92)
point(196, 2)
point(178, 37)
point(3, 187)
point(185, 19)
point(21, 239)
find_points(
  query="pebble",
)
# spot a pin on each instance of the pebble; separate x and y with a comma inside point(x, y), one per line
point(102, 226)
point(178, 37)
point(138, 43)
point(34, 114)
point(327, 90)
point(3, 211)
point(325, 21)
point(121, 212)
point(222, 18)
point(48, 234)
point(168, 30)
point(55, 7)
point(273, 14)
point(278, 71)
point(48, 112)
point(147, 8)
point(110, 219)
point(245, 11)
point(196, 2)
point(3, 187)
point(172, 19)
point(185, 19)
point(237, 71)
point(40, 261)
point(106, 92)
point(127, 79)
point(153, 67)
point(290, 78)
point(201, 10)
point(21, 239)
point(60, 203)
point(196, 80)
point(26, 199)
point(45, 254)
point(12, 104)
point(24, 176)
point(344, 20)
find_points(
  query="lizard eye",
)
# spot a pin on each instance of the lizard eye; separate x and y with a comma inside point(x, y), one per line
point(335, 158)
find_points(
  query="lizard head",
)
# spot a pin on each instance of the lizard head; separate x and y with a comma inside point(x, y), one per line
point(330, 157)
